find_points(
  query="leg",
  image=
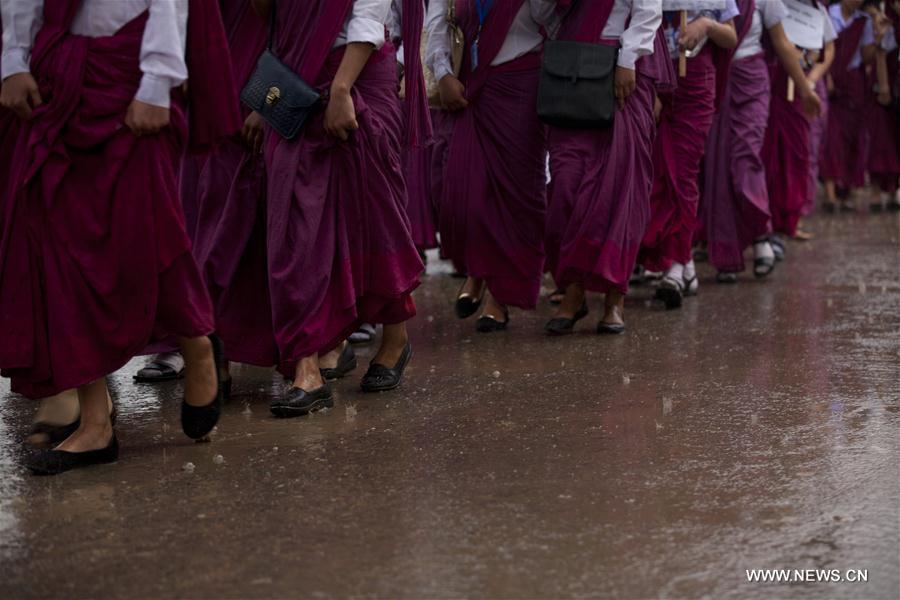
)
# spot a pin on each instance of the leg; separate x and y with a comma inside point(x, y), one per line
point(614, 313)
point(95, 430)
point(572, 309)
point(200, 381)
point(494, 316)
point(55, 420)
point(386, 370)
point(469, 298)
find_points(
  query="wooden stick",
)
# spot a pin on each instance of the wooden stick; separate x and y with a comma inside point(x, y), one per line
point(682, 55)
point(790, 90)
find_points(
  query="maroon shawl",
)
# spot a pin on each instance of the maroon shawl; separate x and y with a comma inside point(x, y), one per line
point(493, 34)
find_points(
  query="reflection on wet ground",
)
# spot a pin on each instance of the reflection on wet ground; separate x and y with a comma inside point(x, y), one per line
point(757, 428)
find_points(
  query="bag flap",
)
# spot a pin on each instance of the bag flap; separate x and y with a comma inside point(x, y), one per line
point(578, 60)
point(280, 85)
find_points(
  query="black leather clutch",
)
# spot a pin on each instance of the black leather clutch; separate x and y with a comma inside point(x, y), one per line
point(280, 96)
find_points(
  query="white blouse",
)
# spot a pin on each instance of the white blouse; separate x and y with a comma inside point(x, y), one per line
point(162, 50)
point(366, 23)
point(636, 40)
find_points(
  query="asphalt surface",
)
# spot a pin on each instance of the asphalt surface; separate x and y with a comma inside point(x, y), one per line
point(758, 427)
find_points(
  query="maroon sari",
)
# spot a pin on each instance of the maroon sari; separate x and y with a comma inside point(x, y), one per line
point(339, 245)
point(94, 257)
point(493, 205)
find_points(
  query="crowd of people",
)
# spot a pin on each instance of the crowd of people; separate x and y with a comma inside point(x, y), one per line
point(147, 210)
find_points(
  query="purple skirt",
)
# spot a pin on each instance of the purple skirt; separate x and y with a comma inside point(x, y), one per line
point(678, 151)
point(493, 206)
point(600, 196)
point(735, 207)
point(843, 153)
point(339, 244)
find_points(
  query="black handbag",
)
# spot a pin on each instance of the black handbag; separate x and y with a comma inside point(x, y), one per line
point(279, 95)
point(577, 86)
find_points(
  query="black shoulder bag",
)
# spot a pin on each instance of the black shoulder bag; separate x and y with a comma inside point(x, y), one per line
point(577, 85)
point(279, 95)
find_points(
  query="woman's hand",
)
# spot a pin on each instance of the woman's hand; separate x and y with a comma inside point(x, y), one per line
point(694, 33)
point(254, 132)
point(812, 104)
point(626, 81)
point(453, 93)
point(21, 95)
point(340, 115)
point(146, 119)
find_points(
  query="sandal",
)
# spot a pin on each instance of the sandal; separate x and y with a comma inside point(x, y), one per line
point(363, 335)
point(163, 367)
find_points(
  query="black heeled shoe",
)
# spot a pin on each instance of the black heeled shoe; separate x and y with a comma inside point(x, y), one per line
point(198, 421)
point(565, 325)
point(54, 462)
point(468, 304)
point(491, 324)
point(380, 378)
point(297, 402)
point(604, 328)
point(346, 364)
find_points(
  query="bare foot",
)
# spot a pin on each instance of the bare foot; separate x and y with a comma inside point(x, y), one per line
point(307, 376)
point(572, 302)
point(494, 309)
point(392, 345)
point(200, 383)
point(614, 309)
point(330, 360)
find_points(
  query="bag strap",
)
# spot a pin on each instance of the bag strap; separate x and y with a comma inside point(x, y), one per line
point(272, 21)
point(565, 15)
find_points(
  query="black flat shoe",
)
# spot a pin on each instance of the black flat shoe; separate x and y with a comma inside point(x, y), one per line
point(346, 363)
point(467, 305)
point(297, 403)
point(54, 462)
point(491, 324)
point(564, 325)
point(380, 378)
point(198, 421)
point(610, 328)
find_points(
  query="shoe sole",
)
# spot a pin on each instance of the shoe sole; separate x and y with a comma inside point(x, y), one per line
point(288, 412)
point(604, 329)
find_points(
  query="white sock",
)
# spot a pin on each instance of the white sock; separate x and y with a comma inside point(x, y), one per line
point(676, 271)
point(763, 249)
point(689, 271)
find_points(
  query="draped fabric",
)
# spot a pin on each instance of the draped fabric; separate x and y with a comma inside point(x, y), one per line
point(493, 207)
point(786, 155)
point(684, 124)
point(735, 206)
point(94, 257)
point(599, 193)
point(224, 195)
point(842, 156)
point(339, 244)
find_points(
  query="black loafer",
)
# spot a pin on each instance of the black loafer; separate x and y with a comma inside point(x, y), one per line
point(346, 363)
point(604, 328)
point(380, 378)
point(198, 421)
point(490, 324)
point(54, 462)
point(564, 325)
point(466, 306)
point(297, 403)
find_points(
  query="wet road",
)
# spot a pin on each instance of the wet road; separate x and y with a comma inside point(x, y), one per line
point(757, 428)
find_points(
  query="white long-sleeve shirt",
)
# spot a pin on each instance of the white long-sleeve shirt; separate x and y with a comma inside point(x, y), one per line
point(524, 35)
point(636, 40)
point(162, 49)
point(365, 23)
